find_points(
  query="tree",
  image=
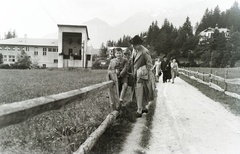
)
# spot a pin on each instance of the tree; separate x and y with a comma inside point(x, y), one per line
point(1, 58)
point(233, 47)
point(23, 60)
point(10, 34)
point(103, 51)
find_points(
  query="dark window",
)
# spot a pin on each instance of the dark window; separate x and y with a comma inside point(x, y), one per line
point(55, 60)
point(70, 51)
point(88, 57)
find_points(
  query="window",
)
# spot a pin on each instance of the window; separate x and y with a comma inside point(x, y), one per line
point(88, 57)
point(4, 57)
point(54, 50)
point(27, 48)
point(44, 49)
point(49, 49)
point(35, 53)
point(70, 51)
point(44, 53)
point(7, 48)
point(55, 60)
point(44, 65)
point(11, 58)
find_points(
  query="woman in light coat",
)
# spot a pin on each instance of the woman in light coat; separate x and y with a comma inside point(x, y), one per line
point(174, 69)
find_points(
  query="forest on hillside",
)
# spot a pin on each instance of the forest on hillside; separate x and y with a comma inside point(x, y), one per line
point(183, 42)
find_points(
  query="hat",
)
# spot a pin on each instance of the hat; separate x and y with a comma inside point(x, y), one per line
point(136, 40)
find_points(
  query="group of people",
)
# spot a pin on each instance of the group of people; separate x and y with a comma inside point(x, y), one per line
point(169, 69)
point(135, 69)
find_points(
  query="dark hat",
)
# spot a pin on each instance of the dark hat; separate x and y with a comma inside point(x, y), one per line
point(136, 40)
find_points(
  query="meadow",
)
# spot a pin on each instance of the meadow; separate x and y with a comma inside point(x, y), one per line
point(60, 131)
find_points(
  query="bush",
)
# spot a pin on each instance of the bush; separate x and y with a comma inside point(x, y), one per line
point(4, 66)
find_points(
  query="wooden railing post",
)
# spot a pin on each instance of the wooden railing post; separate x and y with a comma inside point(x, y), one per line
point(216, 75)
point(113, 91)
point(210, 75)
point(226, 76)
point(203, 76)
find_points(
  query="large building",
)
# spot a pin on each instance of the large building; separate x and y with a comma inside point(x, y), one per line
point(208, 33)
point(69, 50)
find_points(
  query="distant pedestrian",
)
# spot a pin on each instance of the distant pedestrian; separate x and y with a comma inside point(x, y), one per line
point(168, 69)
point(164, 69)
point(174, 69)
point(143, 76)
point(157, 69)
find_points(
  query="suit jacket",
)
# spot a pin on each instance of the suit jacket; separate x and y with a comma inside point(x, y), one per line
point(140, 59)
point(142, 62)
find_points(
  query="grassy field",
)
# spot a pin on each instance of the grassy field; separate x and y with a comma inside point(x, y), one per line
point(60, 131)
point(232, 73)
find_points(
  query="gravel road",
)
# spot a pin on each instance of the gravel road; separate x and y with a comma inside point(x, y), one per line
point(187, 122)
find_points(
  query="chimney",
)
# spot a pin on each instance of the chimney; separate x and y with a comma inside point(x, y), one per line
point(25, 38)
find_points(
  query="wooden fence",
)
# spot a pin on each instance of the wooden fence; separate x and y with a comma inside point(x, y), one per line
point(17, 112)
point(212, 79)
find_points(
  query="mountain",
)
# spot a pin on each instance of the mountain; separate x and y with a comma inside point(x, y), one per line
point(100, 31)
point(134, 25)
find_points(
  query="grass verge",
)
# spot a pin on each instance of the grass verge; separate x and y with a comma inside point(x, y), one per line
point(230, 103)
point(146, 133)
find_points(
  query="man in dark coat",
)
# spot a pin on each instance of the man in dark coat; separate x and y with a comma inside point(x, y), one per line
point(164, 69)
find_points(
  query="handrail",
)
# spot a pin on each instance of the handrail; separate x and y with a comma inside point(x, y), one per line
point(17, 112)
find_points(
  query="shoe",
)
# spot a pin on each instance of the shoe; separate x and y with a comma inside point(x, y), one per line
point(145, 111)
point(138, 115)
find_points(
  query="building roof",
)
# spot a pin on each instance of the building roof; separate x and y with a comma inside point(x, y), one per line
point(211, 30)
point(30, 42)
point(80, 26)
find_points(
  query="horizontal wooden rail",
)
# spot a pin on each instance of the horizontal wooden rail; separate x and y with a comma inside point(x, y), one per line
point(235, 81)
point(17, 112)
point(92, 139)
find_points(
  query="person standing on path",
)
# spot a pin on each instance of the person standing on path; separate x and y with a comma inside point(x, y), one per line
point(157, 67)
point(143, 90)
point(174, 69)
point(163, 68)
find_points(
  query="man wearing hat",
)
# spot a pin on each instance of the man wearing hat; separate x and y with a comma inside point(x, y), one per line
point(142, 74)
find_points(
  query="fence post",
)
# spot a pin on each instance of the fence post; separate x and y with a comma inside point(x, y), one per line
point(203, 76)
point(216, 75)
point(226, 76)
point(210, 78)
point(113, 91)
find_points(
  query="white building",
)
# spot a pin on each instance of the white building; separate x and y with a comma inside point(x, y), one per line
point(69, 50)
point(208, 33)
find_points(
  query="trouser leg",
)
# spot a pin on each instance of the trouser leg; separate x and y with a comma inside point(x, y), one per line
point(124, 89)
point(139, 96)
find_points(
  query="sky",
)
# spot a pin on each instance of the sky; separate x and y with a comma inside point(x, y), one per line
point(36, 18)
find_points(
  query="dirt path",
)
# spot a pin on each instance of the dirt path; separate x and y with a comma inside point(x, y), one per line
point(187, 122)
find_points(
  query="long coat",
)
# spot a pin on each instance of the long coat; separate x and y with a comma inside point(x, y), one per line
point(140, 59)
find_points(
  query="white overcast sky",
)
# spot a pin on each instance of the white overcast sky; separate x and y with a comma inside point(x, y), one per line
point(37, 18)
